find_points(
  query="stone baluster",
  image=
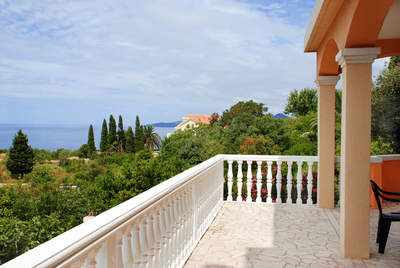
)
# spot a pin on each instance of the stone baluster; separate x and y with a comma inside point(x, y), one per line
point(79, 263)
point(269, 182)
point(299, 182)
point(164, 234)
point(259, 178)
point(174, 221)
point(159, 236)
point(230, 180)
point(119, 258)
point(170, 233)
point(309, 183)
point(92, 257)
point(289, 183)
point(151, 240)
point(239, 181)
point(180, 229)
point(185, 222)
point(129, 251)
point(138, 252)
point(278, 183)
point(249, 181)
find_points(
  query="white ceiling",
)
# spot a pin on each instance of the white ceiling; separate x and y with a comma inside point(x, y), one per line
point(391, 25)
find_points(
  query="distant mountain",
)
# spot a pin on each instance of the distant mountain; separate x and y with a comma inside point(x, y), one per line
point(281, 115)
point(166, 124)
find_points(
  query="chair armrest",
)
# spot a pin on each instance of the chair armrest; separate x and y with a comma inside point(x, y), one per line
point(390, 199)
point(387, 192)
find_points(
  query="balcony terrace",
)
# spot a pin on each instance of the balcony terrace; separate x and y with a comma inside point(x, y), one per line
point(185, 222)
point(262, 235)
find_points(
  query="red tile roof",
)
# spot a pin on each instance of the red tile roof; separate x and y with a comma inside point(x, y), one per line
point(199, 118)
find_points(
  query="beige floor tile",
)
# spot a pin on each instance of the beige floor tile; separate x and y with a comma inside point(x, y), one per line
point(261, 235)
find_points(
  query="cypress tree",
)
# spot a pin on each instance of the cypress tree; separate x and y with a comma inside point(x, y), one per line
point(104, 137)
point(130, 141)
point(139, 135)
point(121, 135)
point(21, 156)
point(91, 145)
point(112, 131)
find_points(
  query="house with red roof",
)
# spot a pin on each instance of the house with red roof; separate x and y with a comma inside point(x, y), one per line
point(193, 120)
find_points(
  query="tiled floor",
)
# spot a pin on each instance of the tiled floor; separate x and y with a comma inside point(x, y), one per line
point(260, 235)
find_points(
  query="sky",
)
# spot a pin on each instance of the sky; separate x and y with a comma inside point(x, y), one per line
point(77, 62)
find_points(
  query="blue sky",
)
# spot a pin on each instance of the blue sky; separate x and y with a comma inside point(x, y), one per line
point(75, 62)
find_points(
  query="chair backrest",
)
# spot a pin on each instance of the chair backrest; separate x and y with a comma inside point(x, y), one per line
point(377, 194)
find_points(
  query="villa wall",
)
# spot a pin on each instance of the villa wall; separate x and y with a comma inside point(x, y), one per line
point(385, 171)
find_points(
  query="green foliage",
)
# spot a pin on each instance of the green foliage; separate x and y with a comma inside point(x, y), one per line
point(121, 135)
point(21, 157)
point(30, 216)
point(130, 141)
point(42, 175)
point(241, 108)
point(303, 102)
point(112, 132)
point(91, 145)
point(139, 135)
point(386, 105)
point(190, 146)
point(258, 145)
point(104, 137)
point(151, 138)
point(84, 151)
point(379, 146)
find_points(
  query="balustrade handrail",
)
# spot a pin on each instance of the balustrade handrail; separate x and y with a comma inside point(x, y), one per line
point(284, 158)
point(65, 245)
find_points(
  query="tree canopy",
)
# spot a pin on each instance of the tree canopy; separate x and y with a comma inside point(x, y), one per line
point(302, 102)
point(21, 157)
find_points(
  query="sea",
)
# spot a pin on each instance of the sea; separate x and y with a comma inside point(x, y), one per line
point(53, 137)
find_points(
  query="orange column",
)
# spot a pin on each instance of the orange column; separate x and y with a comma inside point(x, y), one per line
point(356, 66)
point(326, 140)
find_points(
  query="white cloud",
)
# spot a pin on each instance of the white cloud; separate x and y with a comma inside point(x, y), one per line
point(163, 58)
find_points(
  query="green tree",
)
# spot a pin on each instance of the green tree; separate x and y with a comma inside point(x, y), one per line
point(112, 131)
point(104, 137)
point(121, 135)
point(151, 138)
point(84, 151)
point(139, 135)
point(303, 102)
point(91, 145)
point(130, 141)
point(240, 108)
point(21, 157)
point(386, 105)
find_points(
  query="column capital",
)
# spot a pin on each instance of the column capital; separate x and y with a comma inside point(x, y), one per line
point(327, 80)
point(357, 55)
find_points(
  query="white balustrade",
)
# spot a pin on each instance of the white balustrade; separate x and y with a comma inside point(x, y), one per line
point(249, 181)
point(278, 183)
point(289, 181)
point(157, 228)
point(239, 181)
point(161, 226)
point(309, 183)
point(299, 182)
point(230, 181)
point(274, 166)
point(269, 182)
point(259, 182)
